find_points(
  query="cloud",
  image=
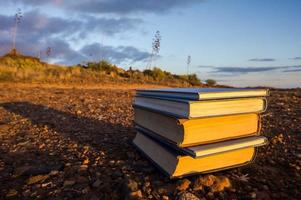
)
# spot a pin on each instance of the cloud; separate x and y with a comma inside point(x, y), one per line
point(262, 59)
point(205, 66)
point(242, 70)
point(292, 70)
point(36, 24)
point(37, 31)
point(297, 58)
point(61, 50)
point(245, 70)
point(35, 3)
point(110, 26)
point(124, 6)
point(113, 6)
point(117, 55)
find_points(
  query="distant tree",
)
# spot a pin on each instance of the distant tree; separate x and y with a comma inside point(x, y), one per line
point(18, 17)
point(210, 82)
point(156, 44)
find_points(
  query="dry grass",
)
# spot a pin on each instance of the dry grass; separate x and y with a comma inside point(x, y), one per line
point(26, 69)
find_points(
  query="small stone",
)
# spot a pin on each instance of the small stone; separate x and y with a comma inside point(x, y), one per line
point(263, 196)
point(86, 190)
point(97, 183)
point(136, 194)
point(221, 184)
point(86, 161)
point(187, 196)
point(130, 155)
point(46, 184)
point(265, 187)
point(69, 183)
point(26, 193)
point(164, 197)
point(94, 197)
point(37, 179)
point(183, 184)
point(162, 190)
point(147, 184)
point(210, 195)
point(11, 193)
point(68, 165)
point(83, 168)
point(117, 174)
point(253, 195)
point(20, 171)
point(207, 180)
point(112, 162)
point(54, 173)
point(132, 185)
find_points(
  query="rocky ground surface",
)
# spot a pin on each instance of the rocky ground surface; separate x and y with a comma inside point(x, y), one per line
point(75, 144)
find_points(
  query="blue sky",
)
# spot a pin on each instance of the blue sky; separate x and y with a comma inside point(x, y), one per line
point(236, 42)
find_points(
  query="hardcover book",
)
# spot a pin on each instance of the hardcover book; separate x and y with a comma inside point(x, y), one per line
point(183, 108)
point(204, 93)
point(177, 164)
point(203, 150)
point(189, 132)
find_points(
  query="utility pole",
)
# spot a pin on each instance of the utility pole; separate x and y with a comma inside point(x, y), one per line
point(18, 17)
point(188, 64)
point(156, 44)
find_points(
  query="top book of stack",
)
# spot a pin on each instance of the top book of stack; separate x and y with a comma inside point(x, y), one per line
point(199, 94)
point(202, 102)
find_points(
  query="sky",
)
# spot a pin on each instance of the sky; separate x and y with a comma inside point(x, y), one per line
point(236, 42)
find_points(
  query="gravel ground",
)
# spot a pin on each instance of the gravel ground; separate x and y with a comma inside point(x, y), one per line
point(75, 144)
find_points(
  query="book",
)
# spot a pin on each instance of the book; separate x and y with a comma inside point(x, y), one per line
point(211, 148)
point(189, 132)
point(204, 93)
point(177, 164)
point(183, 108)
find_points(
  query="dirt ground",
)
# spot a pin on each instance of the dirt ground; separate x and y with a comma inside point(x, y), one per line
point(75, 143)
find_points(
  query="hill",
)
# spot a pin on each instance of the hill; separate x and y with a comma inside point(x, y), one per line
point(15, 67)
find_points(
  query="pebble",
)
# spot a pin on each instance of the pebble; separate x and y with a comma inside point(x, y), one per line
point(54, 173)
point(86, 162)
point(83, 168)
point(97, 183)
point(215, 183)
point(164, 197)
point(183, 184)
point(221, 184)
point(253, 195)
point(132, 185)
point(69, 183)
point(187, 196)
point(37, 179)
point(11, 193)
point(136, 194)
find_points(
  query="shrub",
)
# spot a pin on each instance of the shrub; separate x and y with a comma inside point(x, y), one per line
point(210, 82)
point(158, 74)
point(193, 79)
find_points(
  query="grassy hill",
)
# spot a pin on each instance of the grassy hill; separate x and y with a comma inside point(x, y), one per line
point(15, 67)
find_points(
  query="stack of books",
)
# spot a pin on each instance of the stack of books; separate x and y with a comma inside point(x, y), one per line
point(185, 131)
